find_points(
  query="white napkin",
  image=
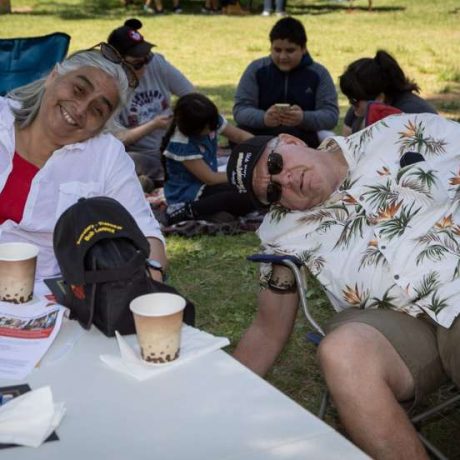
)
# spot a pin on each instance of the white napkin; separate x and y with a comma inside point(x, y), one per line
point(30, 418)
point(194, 343)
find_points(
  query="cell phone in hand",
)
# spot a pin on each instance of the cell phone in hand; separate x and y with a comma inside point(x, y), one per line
point(282, 106)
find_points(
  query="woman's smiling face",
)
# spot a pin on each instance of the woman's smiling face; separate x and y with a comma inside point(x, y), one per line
point(76, 106)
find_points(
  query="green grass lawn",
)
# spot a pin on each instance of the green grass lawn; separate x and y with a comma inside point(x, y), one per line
point(213, 51)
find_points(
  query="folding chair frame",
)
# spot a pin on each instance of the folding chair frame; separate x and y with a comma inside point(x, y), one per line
point(299, 270)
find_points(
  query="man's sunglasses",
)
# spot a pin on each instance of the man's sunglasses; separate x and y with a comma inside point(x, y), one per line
point(141, 63)
point(274, 166)
point(112, 55)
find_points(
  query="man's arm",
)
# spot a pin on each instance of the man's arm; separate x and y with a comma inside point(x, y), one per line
point(246, 110)
point(270, 330)
point(234, 134)
point(348, 122)
point(326, 114)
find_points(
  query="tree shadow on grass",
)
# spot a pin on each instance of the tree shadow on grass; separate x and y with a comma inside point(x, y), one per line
point(94, 9)
point(328, 8)
point(97, 9)
point(87, 9)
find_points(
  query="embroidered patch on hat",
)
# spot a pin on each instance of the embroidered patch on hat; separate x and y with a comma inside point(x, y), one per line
point(135, 36)
point(97, 227)
point(242, 170)
point(87, 222)
point(241, 165)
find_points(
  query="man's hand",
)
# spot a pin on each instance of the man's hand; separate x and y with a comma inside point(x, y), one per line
point(292, 116)
point(272, 117)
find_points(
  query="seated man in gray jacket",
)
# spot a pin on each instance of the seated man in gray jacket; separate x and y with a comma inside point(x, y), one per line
point(287, 92)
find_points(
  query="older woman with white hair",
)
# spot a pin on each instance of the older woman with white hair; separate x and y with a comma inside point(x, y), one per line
point(56, 147)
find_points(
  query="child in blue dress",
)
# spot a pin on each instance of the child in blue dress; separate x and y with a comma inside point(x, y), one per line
point(194, 188)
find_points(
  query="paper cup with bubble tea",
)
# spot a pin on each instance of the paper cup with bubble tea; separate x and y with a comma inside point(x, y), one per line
point(18, 262)
point(158, 319)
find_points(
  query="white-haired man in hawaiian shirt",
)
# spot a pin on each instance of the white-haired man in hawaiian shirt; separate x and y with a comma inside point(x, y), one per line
point(376, 219)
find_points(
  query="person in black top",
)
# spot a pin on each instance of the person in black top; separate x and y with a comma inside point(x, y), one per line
point(378, 79)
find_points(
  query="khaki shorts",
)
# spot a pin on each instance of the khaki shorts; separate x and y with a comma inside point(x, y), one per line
point(431, 352)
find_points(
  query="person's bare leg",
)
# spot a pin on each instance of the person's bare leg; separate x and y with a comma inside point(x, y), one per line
point(158, 6)
point(270, 330)
point(367, 378)
point(148, 6)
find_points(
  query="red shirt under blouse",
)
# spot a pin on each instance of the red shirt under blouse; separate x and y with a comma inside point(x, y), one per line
point(14, 195)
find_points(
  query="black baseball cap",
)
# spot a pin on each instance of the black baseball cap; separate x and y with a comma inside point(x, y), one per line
point(84, 224)
point(128, 41)
point(241, 164)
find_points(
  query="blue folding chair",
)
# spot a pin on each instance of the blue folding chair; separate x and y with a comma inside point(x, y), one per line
point(300, 273)
point(23, 60)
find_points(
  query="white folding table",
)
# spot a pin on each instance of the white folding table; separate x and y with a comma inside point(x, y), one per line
point(212, 408)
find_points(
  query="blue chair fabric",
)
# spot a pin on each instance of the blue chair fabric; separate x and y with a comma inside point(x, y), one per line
point(23, 60)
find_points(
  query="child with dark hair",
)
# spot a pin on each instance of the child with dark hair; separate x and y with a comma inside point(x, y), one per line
point(378, 79)
point(289, 29)
point(287, 91)
point(194, 188)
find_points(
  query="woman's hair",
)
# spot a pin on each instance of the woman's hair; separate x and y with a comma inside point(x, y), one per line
point(290, 29)
point(366, 78)
point(192, 114)
point(29, 97)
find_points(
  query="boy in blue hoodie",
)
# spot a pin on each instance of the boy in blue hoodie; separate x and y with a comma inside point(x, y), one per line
point(287, 92)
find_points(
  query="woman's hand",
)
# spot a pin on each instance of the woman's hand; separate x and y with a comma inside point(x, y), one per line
point(158, 253)
point(161, 122)
point(131, 135)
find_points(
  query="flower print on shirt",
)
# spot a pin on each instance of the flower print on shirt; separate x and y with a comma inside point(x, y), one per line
point(391, 237)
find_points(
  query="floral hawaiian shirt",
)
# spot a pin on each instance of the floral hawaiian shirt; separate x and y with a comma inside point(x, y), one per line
point(390, 236)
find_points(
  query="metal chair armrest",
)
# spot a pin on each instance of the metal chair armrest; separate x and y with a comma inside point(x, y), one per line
point(274, 259)
point(296, 266)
